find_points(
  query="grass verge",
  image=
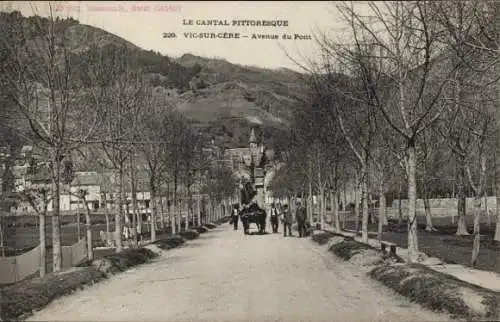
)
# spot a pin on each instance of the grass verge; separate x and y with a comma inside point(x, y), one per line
point(20, 300)
point(170, 242)
point(119, 262)
point(431, 289)
point(322, 237)
point(439, 292)
point(201, 229)
point(189, 234)
point(223, 220)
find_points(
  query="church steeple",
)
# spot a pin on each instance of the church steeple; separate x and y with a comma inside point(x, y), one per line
point(252, 139)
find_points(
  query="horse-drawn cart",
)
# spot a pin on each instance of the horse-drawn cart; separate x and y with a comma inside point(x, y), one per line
point(253, 214)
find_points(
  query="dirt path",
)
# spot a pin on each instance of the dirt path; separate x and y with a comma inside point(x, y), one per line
point(226, 276)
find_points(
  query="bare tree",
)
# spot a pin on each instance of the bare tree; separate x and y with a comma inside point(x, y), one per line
point(156, 120)
point(471, 29)
point(404, 37)
point(120, 131)
point(430, 158)
point(42, 80)
point(82, 195)
point(39, 199)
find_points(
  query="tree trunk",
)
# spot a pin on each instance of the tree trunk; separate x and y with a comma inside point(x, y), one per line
point(56, 224)
point(134, 201)
point(106, 214)
point(427, 208)
point(412, 202)
point(497, 147)
point(43, 246)
point(496, 186)
point(344, 203)
point(162, 211)
point(321, 200)
point(179, 214)
point(310, 203)
point(335, 208)
point(357, 198)
point(178, 219)
point(371, 207)
point(190, 202)
point(88, 228)
point(486, 210)
point(119, 213)
point(135, 217)
point(477, 236)
point(400, 207)
point(78, 220)
point(428, 214)
point(208, 209)
point(168, 205)
point(364, 198)
point(126, 225)
point(331, 196)
point(139, 218)
point(152, 187)
point(212, 210)
point(382, 218)
point(462, 224)
point(172, 214)
point(186, 208)
point(2, 237)
point(198, 209)
point(477, 211)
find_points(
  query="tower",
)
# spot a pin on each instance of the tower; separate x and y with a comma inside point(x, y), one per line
point(253, 142)
point(253, 154)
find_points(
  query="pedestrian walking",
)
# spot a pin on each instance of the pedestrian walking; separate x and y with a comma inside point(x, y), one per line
point(300, 217)
point(287, 221)
point(235, 216)
point(274, 218)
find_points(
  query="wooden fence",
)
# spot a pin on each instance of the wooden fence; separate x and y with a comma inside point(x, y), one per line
point(393, 213)
point(17, 268)
point(74, 254)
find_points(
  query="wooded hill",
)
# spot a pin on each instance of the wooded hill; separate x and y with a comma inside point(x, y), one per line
point(223, 100)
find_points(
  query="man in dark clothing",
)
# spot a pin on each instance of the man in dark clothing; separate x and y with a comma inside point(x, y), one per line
point(274, 218)
point(287, 221)
point(234, 216)
point(301, 216)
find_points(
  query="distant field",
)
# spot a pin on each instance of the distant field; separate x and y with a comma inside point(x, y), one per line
point(438, 220)
point(444, 243)
point(22, 232)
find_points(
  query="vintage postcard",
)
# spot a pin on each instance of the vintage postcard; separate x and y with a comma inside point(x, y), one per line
point(249, 160)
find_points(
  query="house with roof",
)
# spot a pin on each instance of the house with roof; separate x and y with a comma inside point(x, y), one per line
point(89, 181)
point(245, 159)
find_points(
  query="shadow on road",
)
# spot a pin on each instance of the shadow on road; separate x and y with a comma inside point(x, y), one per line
point(207, 236)
point(170, 259)
point(252, 233)
point(191, 245)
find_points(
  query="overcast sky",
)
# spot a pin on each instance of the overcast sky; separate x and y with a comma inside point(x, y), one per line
point(146, 29)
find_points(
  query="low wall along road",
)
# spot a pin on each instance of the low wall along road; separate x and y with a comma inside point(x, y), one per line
point(17, 268)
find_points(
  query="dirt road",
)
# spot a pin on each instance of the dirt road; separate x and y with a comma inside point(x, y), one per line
point(226, 276)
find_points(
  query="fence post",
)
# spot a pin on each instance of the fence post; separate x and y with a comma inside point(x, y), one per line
point(16, 272)
point(86, 250)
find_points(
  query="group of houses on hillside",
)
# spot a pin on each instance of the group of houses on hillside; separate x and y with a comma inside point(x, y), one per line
point(100, 191)
point(101, 187)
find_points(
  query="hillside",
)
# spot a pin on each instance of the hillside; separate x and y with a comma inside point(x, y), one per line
point(223, 100)
point(230, 99)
